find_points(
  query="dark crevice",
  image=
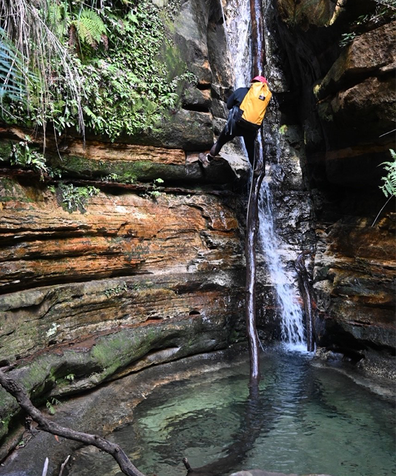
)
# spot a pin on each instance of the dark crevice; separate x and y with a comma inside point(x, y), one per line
point(194, 312)
point(203, 86)
point(195, 107)
point(29, 283)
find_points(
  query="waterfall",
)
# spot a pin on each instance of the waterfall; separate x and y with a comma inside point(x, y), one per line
point(292, 327)
point(237, 16)
point(293, 333)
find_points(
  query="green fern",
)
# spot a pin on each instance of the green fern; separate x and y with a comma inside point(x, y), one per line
point(389, 186)
point(12, 78)
point(89, 27)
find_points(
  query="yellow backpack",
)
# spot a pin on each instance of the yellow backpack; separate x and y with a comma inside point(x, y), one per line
point(254, 104)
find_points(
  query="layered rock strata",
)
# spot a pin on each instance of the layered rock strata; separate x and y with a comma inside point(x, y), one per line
point(131, 253)
point(140, 272)
point(341, 70)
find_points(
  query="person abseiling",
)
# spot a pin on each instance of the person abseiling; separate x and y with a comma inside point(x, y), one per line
point(247, 109)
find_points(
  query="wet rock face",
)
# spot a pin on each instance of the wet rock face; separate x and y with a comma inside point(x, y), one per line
point(345, 78)
point(199, 40)
point(355, 274)
point(341, 69)
point(306, 13)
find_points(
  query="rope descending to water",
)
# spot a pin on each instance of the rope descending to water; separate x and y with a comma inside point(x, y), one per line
point(250, 253)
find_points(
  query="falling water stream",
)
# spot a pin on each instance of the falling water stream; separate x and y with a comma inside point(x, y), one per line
point(292, 330)
point(237, 17)
point(237, 29)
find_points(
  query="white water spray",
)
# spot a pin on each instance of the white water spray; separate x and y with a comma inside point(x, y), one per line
point(236, 14)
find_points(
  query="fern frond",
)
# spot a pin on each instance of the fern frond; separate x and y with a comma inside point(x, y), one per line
point(56, 17)
point(12, 76)
point(389, 186)
point(43, 55)
point(90, 27)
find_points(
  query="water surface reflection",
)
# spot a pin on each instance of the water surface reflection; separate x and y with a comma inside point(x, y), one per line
point(304, 420)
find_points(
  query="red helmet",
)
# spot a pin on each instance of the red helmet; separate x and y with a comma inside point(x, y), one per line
point(259, 78)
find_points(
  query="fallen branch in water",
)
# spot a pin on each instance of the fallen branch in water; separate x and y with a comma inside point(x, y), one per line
point(19, 393)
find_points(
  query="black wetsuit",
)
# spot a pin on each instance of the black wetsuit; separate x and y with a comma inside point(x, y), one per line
point(249, 135)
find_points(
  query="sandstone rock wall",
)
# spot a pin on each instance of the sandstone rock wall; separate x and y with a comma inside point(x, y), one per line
point(145, 268)
point(340, 71)
point(136, 278)
point(146, 272)
point(127, 259)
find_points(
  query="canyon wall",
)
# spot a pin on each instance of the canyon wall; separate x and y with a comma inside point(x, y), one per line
point(134, 256)
point(132, 253)
point(340, 77)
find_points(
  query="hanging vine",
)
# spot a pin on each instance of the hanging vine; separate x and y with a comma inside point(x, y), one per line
point(102, 65)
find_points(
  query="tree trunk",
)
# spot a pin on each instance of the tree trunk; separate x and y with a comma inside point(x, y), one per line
point(258, 56)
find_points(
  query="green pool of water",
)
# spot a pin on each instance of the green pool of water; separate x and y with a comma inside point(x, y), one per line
point(305, 420)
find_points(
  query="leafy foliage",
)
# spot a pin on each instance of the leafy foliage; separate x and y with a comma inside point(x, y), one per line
point(389, 186)
point(105, 65)
point(89, 27)
point(155, 192)
point(130, 87)
point(11, 71)
point(50, 404)
point(118, 290)
point(383, 9)
point(23, 156)
point(75, 198)
point(70, 377)
point(28, 25)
